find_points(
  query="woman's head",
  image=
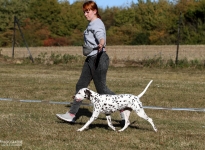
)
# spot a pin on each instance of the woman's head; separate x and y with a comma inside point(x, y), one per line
point(90, 10)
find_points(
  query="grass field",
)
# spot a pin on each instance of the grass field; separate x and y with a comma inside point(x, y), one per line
point(36, 126)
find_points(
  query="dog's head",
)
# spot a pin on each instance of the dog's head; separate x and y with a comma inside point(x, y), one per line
point(82, 94)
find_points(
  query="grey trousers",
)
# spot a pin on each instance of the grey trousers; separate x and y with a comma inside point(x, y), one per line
point(97, 75)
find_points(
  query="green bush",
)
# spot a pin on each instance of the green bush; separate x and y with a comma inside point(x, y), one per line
point(56, 58)
point(170, 63)
point(158, 62)
point(67, 59)
point(41, 58)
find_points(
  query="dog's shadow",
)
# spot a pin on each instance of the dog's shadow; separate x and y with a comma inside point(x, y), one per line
point(85, 112)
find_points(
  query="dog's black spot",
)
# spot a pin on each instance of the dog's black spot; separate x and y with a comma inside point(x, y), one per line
point(88, 93)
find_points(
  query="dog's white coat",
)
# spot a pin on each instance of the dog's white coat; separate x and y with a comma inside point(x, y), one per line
point(110, 103)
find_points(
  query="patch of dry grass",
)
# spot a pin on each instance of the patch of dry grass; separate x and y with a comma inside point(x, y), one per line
point(141, 52)
point(37, 126)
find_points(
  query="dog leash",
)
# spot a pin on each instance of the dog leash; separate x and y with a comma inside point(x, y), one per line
point(97, 59)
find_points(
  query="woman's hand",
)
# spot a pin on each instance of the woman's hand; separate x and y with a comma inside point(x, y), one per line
point(100, 47)
point(101, 44)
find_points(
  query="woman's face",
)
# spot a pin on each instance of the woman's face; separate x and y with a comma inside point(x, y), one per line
point(90, 15)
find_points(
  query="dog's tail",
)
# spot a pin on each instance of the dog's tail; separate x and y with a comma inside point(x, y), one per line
point(141, 94)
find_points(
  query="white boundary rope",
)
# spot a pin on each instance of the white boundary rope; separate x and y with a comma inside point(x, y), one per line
point(86, 104)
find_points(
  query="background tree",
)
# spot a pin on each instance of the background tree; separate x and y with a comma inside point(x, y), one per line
point(9, 9)
point(59, 23)
point(194, 22)
point(77, 23)
point(46, 12)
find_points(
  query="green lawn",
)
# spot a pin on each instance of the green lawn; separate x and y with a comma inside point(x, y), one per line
point(36, 125)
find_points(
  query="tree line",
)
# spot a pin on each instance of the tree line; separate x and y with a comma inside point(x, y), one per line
point(59, 23)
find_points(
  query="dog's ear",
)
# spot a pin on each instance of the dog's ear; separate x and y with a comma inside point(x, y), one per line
point(88, 93)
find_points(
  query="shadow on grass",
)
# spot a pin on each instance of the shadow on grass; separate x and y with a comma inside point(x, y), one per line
point(85, 112)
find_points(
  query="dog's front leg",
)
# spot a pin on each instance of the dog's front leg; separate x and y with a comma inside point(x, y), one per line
point(109, 122)
point(94, 116)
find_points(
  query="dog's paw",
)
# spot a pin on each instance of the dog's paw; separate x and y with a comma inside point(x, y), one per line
point(113, 129)
point(120, 130)
point(79, 130)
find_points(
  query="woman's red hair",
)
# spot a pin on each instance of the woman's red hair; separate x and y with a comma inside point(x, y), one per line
point(91, 5)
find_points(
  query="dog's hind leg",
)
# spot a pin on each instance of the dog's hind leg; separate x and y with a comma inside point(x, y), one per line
point(143, 115)
point(109, 122)
point(127, 122)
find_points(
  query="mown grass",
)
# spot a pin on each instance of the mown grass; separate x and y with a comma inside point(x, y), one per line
point(37, 126)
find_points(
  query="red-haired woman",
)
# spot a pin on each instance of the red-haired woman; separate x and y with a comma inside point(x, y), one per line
point(96, 64)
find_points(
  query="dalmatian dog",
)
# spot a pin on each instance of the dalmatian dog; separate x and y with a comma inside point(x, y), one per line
point(110, 103)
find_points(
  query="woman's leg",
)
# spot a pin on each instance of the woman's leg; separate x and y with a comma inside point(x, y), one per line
point(83, 82)
point(99, 75)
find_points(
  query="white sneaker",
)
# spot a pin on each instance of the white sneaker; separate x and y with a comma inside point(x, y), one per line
point(66, 117)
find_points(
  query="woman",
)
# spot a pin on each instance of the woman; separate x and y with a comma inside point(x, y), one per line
point(96, 64)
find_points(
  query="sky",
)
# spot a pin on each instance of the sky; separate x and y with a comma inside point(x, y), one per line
point(111, 3)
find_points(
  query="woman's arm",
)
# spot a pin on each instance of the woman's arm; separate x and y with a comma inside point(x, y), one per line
point(101, 44)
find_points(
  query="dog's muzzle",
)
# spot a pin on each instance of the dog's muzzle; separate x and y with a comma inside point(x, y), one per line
point(78, 100)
